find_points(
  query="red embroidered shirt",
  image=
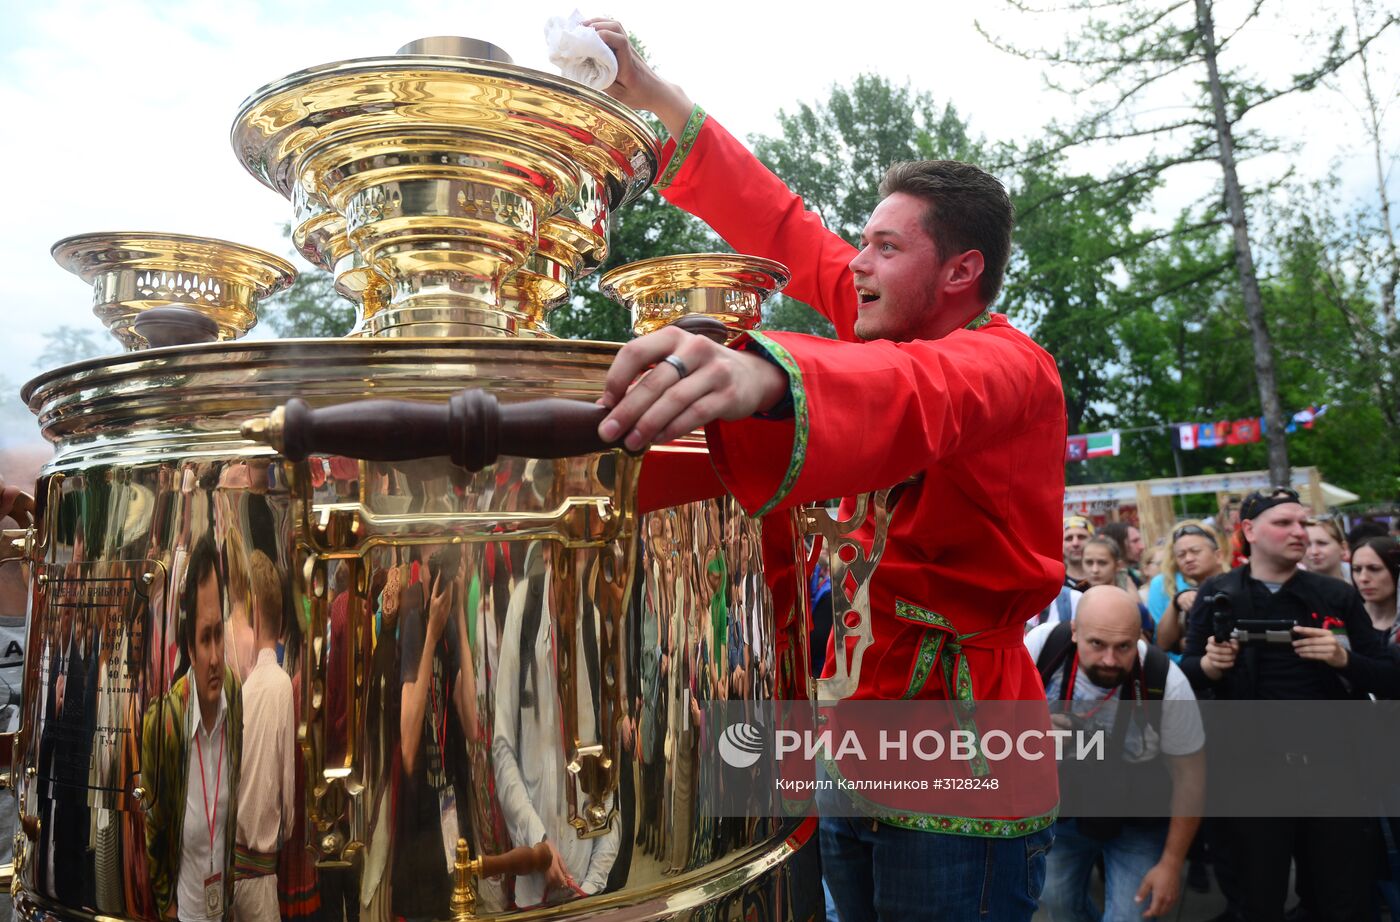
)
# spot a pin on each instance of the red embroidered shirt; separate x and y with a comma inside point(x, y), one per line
point(978, 416)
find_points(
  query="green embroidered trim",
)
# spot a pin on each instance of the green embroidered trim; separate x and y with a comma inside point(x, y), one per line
point(910, 612)
point(936, 822)
point(980, 320)
point(799, 414)
point(971, 826)
point(942, 645)
point(929, 650)
point(683, 145)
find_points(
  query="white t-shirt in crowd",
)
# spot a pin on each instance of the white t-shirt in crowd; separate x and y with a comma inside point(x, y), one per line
point(1181, 730)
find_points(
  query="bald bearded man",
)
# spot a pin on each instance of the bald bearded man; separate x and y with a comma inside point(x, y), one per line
point(1097, 671)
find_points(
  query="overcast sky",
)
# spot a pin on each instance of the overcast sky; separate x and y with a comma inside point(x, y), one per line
point(118, 113)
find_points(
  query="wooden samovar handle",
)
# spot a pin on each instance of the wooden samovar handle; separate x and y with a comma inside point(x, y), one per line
point(473, 429)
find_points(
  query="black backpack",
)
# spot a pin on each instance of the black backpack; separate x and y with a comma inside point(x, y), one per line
point(1056, 656)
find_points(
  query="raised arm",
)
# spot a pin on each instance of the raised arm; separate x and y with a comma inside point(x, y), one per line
point(704, 167)
point(850, 403)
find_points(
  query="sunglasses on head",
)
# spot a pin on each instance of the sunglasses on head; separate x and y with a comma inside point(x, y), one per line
point(1197, 530)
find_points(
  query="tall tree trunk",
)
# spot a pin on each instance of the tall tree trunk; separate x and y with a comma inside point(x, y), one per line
point(1387, 385)
point(1373, 130)
point(1244, 258)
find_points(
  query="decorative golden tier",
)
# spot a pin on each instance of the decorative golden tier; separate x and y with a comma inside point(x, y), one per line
point(446, 170)
point(730, 287)
point(318, 232)
point(133, 272)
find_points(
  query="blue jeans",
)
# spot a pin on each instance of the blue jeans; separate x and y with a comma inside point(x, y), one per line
point(876, 871)
point(1127, 857)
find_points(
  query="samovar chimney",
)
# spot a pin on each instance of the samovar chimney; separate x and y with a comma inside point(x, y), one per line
point(457, 46)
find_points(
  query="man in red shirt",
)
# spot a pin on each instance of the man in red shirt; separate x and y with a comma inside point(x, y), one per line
point(925, 389)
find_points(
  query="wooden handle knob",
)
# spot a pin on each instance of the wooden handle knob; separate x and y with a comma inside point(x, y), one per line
point(472, 428)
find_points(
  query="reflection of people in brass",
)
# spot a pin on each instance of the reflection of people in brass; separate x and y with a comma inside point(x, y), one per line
point(431, 641)
point(266, 786)
point(651, 708)
point(77, 726)
point(242, 630)
point(528, 748)
point(191, 747)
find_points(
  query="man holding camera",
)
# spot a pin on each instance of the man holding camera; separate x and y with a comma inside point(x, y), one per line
point(1269, 631)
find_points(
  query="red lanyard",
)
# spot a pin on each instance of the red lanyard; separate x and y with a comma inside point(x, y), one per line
point(1068, 690)
point(211, 818)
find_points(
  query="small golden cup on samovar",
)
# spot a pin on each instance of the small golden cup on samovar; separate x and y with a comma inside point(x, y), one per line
point(133, 273)
point(728, 287)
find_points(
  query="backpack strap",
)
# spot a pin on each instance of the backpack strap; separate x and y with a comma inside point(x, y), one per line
point(1154, 681)
point(1154, 673)
point(1055, 652)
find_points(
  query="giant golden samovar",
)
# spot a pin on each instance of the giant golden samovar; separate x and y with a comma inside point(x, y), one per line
point(492, 672)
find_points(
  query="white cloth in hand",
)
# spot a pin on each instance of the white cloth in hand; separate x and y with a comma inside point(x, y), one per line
point(579, 52)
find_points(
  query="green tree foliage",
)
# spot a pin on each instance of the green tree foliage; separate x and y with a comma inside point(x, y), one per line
point(647, 228)
point(1073, 252)
point(791, 315)
point(1123, 59)
point(310, 307)
point(833, 153)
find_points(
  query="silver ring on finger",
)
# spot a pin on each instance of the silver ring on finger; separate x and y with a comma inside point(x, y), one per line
point(675, 362)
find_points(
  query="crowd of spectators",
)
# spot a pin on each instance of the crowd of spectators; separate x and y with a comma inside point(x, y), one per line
point(1325, 599)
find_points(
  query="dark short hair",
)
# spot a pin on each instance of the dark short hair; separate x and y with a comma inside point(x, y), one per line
point(1388, 550)
point(968, 209)
point(1118, 531)
point(204, 561)
point(1366, 528)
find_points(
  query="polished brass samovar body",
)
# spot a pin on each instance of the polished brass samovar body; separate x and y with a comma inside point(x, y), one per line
point(455, 201)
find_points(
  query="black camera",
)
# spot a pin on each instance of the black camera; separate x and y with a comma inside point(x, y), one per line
point(444, 563)
point(1228, 626)
point(1222, 613)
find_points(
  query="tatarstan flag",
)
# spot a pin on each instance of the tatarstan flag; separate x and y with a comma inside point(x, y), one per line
point(1102, 444)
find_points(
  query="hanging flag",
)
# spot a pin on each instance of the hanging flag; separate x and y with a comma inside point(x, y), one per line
point(1306, 418)
point(1103, 444)
point(1205, 436)
point(1243, 432)
point(1076, 448)
point(1186, 436)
